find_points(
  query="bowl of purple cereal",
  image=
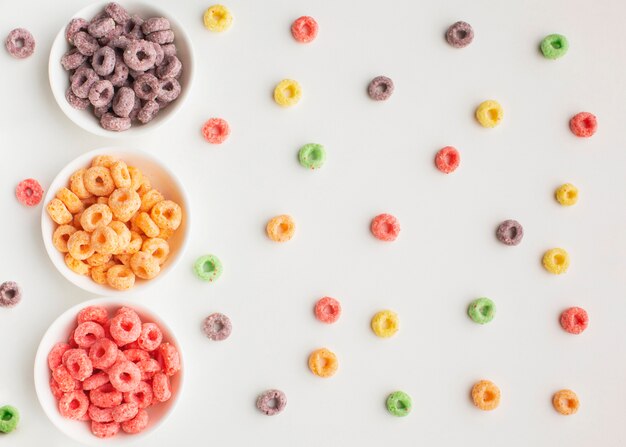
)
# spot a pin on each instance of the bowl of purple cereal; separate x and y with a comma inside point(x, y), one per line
point(121, 68)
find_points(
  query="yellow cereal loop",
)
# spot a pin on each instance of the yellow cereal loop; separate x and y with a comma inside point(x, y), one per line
point(70, 200)
point(489, 113)
point(281, 228)
point(58, 212)
point(567, 194)
point(287, 93)
point(323, 363)
point(385, 323)
point(556, 261)
point(217, 18)
point(75, 265)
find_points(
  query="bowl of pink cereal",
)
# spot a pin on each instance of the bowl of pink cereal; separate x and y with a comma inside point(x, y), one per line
point(121, 68)
point(115, 221)
point(108, 373)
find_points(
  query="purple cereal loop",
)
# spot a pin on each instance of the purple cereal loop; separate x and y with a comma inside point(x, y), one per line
point(154, 24)
point(103, 61)
point(132, 28)
point(162, 104)
point(169, 49)
point(160, 54)
point(101, 93)
point(217, 327)
point(75, 101)
point(135, 73)
point(83, 81)
point(170, 68)
point(20, 43)
point(113, 34)
point(73, 27)
point(140, 55)
point(271, 402)
point(100, 111)
point(101, 27)
point(85, 43)
point(169, 91)
point(161, 37)
point(510, 232)
point(380, 88)
point(10, 294)
point(100, 15)
point(114, 123)
point(123, 102)
point(73, 59)
point(136, 109)
point(119, 42)
point(120, 73)
point(147, 87)
point(117, 12)
point(148, 112)
point(460, 34)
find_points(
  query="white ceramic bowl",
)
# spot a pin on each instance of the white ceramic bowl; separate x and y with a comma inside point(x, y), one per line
point(59, 331)
point(59, 78)
point(160, 177)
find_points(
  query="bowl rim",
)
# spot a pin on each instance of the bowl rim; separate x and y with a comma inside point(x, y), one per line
point(84, 159)
point(41, 357)
point(54, 66)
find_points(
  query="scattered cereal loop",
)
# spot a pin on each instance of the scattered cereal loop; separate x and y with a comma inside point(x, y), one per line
point(574, 320)
point(304, 29)
point(216, 130)
point(10, 294)
point(20, 43)
point(312, 156)
point(567, 194)
point(217, 327)
point(489, 113)
point(486, 395)
point(385, 227)
point(447, 159)
point(287, 93)
point(565, 402)
point(380, 88)
point(583, 124)
point(9, 418)
point(327, 310)
point(271, 402)
point(208, 268)
point(556, 261)
point(460, 34)
point(323, 363)
point(217, 18)
point(399, 403)
point(281, 228)
point(29, 192)
point(510, 232)
point(482, 310)
point(554, 46)
point(385, 323)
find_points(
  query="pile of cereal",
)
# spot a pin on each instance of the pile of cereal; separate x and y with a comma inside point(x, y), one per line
point(112, 225)
point(122, 66)
point(112, 370)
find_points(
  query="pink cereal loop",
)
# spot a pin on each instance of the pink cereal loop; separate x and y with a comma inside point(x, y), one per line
point(216, 130)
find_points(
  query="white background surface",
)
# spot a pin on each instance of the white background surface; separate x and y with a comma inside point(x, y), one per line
point(380, 159)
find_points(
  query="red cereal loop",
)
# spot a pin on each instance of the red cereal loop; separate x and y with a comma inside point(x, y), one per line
point(29, 192)
point(142, 396)
point(136, 355)
point(125, 327)
point(385, 227)
point(104, 429)
point(100, 414)
point(327, 310)
point(583, 124)
point(95, 381)
point(71, 341)
point(103, 353)
point(574, 320)
point(447, 159)
point(54, 387)
point(124, 376)
point(169, 359)
point(137, 424)
point(304, 29)
point(56, 354)
point(64, 379)
point(148, 368)
point(73, 405)
point(215, 130)
point(105, 396)
point(125, 412)
point(79, 365)
point(150, 337)
point(96, 314)
point(87, 333)
point(161, 388)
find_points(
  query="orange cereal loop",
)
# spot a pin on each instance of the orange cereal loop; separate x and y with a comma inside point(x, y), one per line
point(123, 235)
point(323, 363)
point(123, 259)
point(58, 212)
point(565, 402)
point(89, 201)
point(145, 186)
point(76, 221)
point(60, 237)
point(124, 203)
point(166, 214)
point(134, 245)
point(70, 200)
point(98, 259)
point(104, 240)
point(79, 245)
point(120, 277)
point(97, 215)
point(136, 178)
point(133, 224)
point(98, 181)
point(103, 200)
point(75, 265)
point(149, 199)
point(144, 265)
point(99, 273)
point(158, 248)
point(120, 174)
point(147, 225)
point(486, 395)
point(104, 160)
point(77, 185)
point(165, 234)
point(281, 228)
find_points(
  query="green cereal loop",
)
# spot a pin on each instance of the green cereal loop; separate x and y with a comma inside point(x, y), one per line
point(399, 403)
point(9, 418)
point(482, 310)
point(554, 46)
point(208, 268)
point(312, 156)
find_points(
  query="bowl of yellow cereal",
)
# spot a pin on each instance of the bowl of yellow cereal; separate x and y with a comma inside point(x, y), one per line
point(115, 220)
